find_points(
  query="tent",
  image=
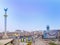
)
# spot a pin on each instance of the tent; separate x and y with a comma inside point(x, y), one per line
point(5, 41)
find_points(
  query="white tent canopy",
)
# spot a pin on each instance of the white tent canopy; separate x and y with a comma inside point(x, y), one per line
point(5, 41)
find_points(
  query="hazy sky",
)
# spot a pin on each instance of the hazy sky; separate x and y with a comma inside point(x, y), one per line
point(30, 14)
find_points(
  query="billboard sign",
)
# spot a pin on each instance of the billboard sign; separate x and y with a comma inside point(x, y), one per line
point(50, 34)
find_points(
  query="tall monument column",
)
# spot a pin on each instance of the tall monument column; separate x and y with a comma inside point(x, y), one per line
point(48, 28)
point(5, 22)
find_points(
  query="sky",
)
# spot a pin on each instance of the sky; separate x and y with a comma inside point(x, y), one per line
point(30, 15)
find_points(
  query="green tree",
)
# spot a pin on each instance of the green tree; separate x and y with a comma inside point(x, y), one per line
point(52, 43)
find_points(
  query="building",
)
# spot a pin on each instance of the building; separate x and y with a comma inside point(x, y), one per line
point(59, 35)
point(1, 35)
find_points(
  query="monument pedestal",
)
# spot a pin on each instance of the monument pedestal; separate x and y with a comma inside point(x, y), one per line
point(5, 36)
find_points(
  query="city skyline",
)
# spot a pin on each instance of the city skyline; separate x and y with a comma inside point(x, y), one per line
point(30, 15)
